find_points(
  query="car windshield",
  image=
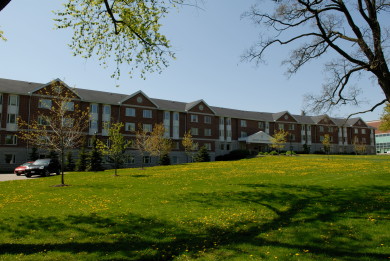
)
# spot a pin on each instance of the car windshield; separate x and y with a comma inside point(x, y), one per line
point(42, 162)
point(27, 164)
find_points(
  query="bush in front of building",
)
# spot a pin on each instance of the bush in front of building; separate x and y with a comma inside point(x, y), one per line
point(165, 160)
point(202, 155)
point(234, 155)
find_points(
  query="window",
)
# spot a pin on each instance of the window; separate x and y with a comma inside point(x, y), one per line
point(147, 127)
point(281, 126)
point(291, 127)
point(309, 127)
point(228, 121)
point(261, 125)
point(208, 146)
point(331, 138)
point(228, 146)
point(90, 142)
point(243, 123)
point(194, 131)
point(330, 129)
point(44, 104)
point(130, 112)
point(302, 127)
point(176, 145)
point(356, 131)
point(364, 140)
point(321, 138)
point(106, 125)
point(221, 121)
point(321, 128)
point(292, 137)
point(11, 139)
point(130, 126)
point(146, 160)
point(195, 146)
point(207, 132)
point(67, 122)
point(147, 114)
point(221, 133)
point(194, 118)
point(175, 160)
point(267, 125)
point(176, 116)
point(43, 120)
point(244, 134)
point(94, 108)
point(167, 115)
point(130, 159)
point(11, 118)
point(93, 124)
point(175, 131)
point(69, 106)
point(363, 131)
point(13, 100)
point(9, 158)
point(207, 119)
point(228, 133)
point(222, 146)
point(107, 109)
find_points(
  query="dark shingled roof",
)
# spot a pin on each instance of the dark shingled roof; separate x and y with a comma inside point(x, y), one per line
point(24, 88)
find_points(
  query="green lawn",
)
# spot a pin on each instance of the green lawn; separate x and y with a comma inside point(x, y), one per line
point(268, 208)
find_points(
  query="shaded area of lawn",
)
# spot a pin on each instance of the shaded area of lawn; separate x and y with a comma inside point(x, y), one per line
point(313, 222)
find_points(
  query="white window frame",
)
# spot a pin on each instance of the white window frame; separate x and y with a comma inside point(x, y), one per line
point(260, 125)
point(69, 106)
point(194, 131)
point(243, 134)
point(194, 118)
point(130, 112)
point(13, 100)
point(281, 126)
point(107, 109)
point(146, 127)
point(130, 126)
point(44, 103)
point(207, 145)
point(207, 132)
point(207, 119)
point(147, 114)
point(14, 119)
point(243, 123)
point(12, 160)
point(92, 106)
point(12, 138)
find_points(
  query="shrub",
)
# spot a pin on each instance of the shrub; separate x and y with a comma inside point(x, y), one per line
point(165, 160)
point(234, 155)
point(290, 152)
point(202, 155)
point(274, 152)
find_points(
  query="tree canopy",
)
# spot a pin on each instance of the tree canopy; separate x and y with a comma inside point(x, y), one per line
point(118, 31)
point(351, 34)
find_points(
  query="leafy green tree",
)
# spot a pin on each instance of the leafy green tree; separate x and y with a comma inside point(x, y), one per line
point(95, 157)
point(115, 146)
point(326, 143)
point(202, 155)
point(385, 118)
point(34, 154)
point(70, 165)
point(279, 140)
point(81, 163)
point(157, 144)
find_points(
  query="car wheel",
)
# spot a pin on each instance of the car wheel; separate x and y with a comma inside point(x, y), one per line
point(17, 174)
point(28, 175)
point(46, 173)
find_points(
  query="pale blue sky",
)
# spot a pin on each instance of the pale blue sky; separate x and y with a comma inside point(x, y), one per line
point(208, 45)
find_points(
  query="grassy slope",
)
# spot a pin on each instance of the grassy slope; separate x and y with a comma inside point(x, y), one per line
point(302, 208)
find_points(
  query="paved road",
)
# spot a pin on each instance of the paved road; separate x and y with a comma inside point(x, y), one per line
point(6, 177)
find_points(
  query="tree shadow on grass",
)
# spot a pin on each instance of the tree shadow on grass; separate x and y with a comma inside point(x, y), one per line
point(305, 213)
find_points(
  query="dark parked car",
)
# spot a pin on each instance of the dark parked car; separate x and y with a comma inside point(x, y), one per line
point(22, 168)
point(43, 167)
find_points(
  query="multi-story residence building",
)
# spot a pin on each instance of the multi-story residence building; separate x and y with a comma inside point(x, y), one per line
point(382, 138)
point(220, 130)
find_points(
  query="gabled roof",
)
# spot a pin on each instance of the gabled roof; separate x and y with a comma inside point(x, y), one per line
point(191, 105)
point(59, 81)
point(278, 115)
point(135, 94)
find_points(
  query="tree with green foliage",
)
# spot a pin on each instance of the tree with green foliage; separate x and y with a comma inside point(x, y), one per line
point(157, 144)
point(385, 118)
point(115, 146)
point(202, 155)
point(119, 32)
point(164, 160)
point(70, 165)
point(81, 163)
point(188, 144)
point(326, 143)
point(95, 157)
point(34, 155)
point(279, 140)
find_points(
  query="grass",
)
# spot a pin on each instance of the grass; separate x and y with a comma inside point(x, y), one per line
point(268, 208)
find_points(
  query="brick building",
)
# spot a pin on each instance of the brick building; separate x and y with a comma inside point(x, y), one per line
point(221, 130)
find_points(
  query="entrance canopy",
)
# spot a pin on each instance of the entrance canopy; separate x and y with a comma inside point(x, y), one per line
point(258, 137)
